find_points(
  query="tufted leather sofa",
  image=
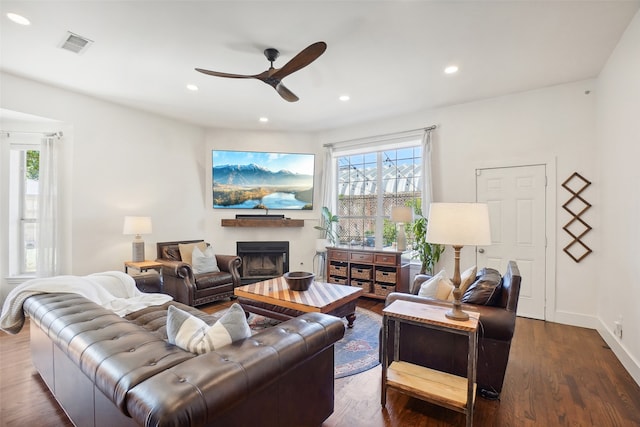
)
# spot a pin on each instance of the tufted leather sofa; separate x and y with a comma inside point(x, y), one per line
point(107, 370)
point(192, 289)
point(448, 352)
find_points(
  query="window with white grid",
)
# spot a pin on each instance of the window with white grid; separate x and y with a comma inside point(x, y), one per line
point(369, 185)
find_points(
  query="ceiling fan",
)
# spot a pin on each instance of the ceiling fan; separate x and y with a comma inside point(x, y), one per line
point(273, 76)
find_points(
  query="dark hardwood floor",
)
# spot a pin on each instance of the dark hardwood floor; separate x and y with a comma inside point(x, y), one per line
point(558, 375)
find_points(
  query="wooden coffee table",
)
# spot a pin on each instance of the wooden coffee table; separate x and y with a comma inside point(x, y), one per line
point(274, 299)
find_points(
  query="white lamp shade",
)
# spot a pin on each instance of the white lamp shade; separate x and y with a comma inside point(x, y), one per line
point(137, 225)
point(401, 214)
point(459, 224)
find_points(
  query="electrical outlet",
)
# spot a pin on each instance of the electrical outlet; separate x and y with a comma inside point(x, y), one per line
point(618, 328)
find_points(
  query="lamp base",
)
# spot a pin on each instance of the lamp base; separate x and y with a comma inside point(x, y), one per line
point(456, 314)
point(137, 251)
point(402, 238)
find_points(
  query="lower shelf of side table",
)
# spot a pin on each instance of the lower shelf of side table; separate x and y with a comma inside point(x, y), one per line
point(430, 385)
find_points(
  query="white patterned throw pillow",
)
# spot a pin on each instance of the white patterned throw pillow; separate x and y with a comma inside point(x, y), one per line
point(439, 287)
point(194, 335)
point(204, 262)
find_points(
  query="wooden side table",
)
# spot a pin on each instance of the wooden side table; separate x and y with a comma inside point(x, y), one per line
point(146, 284)
point(143, 266)
point(440, 388)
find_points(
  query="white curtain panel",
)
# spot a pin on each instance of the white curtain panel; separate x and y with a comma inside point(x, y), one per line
point(329, 180)
point(427, 188)
point(48, 218)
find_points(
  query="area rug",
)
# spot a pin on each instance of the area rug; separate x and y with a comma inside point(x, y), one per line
point(356, 352)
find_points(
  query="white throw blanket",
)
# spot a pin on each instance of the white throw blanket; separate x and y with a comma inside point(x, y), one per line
point(113, 290)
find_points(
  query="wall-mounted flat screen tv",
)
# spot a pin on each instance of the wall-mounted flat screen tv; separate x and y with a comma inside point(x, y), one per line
point(260, 180)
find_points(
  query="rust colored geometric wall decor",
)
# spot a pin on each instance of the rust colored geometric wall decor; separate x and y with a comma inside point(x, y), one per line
point(576, 227)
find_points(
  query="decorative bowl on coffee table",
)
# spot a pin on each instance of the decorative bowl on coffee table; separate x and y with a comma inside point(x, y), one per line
point(299, 280)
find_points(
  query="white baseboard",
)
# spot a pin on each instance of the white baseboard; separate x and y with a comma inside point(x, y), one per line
point(575, 319)
point(628, 361)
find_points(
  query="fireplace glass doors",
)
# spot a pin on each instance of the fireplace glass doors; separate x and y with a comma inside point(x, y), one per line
point(262, 260)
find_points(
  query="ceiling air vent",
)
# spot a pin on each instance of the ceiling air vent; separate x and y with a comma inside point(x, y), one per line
point(75, 43)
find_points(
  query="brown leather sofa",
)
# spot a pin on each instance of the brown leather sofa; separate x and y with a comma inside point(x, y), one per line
point(105, 370)
point(448, 352)
point(184, 286)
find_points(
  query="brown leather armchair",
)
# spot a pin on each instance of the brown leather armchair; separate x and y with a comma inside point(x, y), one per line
point(184, 286)
point(448, 352)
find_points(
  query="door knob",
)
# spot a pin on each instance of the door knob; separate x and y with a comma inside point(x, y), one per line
point(481, 250)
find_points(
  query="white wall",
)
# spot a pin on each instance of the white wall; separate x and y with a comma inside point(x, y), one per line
point(118, 161)
point(553, 125)
point(618, 115)
point(301, 240)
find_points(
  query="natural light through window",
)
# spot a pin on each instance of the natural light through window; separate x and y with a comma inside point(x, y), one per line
point(369, 185)
point(24, 185)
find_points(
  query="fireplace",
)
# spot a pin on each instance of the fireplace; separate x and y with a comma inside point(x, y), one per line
point(262, 260)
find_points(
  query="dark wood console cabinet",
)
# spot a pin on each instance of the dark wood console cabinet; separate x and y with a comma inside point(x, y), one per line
point(377, 271)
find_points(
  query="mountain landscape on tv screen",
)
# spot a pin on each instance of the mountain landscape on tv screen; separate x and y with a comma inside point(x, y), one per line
point(253, 175)
point(255, 187)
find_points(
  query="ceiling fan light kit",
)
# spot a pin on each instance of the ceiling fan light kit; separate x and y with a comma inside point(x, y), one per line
point(273, 76)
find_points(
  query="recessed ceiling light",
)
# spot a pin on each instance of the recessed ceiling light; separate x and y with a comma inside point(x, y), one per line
point(18, 19)
point(192, 87)
point(344, 98)
point(451, 69)
point(263, 119)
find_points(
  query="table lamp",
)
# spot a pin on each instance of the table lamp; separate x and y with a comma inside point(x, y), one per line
point(401, 215)
point(137, 225)
point(458, 224)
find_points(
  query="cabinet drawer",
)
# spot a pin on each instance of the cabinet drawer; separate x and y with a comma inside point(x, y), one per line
point(382, 289)
point(337, 280)
point(338, 270)
point(385, 259)
point(365, 286)
point(361, 272)
point(385, 276)
point(339, 255)
point(361, 257)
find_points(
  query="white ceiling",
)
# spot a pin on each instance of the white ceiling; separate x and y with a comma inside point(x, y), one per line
point(388, 56)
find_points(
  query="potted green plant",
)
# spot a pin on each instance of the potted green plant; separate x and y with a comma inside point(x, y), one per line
point(428, 253)
point(327, 221)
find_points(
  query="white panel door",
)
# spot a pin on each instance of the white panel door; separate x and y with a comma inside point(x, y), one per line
point(516, 200)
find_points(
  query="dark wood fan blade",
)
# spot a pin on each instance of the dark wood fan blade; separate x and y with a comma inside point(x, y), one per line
point(273, 76)
point(301, 60)
point(219, 74)
point(286, 93)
